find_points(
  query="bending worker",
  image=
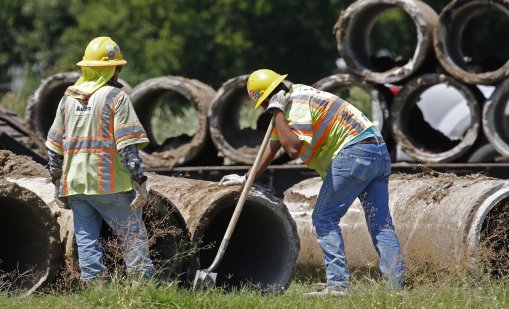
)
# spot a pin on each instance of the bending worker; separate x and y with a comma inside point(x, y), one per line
point(336, 140)
point(93, 160)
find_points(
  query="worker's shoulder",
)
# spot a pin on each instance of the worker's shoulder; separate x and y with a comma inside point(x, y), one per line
point(112, 92)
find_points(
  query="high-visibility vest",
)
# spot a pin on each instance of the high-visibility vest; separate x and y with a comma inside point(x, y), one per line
point(324, 123)
point(89, 135)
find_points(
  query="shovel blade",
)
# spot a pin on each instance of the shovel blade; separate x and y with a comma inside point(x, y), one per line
point(204, 279)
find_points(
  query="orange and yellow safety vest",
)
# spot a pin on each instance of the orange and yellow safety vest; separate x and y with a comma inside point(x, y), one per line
point(89, 135)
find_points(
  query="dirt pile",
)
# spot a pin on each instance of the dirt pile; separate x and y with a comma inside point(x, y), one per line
point(13, 165)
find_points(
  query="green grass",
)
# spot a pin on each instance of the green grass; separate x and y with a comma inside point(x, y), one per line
point(467, 294)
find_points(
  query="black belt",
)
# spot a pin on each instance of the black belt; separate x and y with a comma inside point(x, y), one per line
point(372, 140)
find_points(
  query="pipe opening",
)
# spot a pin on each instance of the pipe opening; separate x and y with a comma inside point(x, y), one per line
point(494, 240)
point(24, 259)
point(439, 118)
point(242, 126)
point(173, 120)
point(477, 37)
point(256, 254)
point(386, 51)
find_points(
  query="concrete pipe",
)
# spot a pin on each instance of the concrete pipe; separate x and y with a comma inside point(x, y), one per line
point(495, 118)
point(470, 40)
point(32, 256)
point(355, 26)
point(354, 90)
point(440, 219)
point(436, 118)
point(236, 129)
point(173, 111)
point(43, 103)
point(264, 246)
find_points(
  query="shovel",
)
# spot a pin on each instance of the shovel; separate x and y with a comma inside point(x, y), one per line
point(206, 277)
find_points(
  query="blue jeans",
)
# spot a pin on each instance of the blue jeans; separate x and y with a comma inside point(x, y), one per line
point(115, 209)
point(359, 170)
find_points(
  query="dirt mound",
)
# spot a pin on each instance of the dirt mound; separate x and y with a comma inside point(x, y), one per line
point(13, 165)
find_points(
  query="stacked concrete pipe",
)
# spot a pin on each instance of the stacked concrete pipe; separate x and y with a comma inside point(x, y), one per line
point(264, 246)
point(451, 33)
point(379, 96)
point(355, 24)
point(413, 133)
point(238, 145)
point(495, 119)
point(440, 220)
point(43, 103)
point(174, 151)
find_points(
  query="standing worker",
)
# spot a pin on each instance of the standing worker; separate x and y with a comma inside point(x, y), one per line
point(336, 140)
point(93, 160)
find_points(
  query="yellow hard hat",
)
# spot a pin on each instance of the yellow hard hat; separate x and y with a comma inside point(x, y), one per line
point(261, 83)
point(102, 52)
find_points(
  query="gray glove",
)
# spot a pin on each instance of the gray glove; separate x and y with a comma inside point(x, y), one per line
point(57, 199)
point(141, 193)
point(232, 180)
point(279, 101)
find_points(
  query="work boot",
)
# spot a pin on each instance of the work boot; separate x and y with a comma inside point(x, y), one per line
point(98, 282)
point(328, 291)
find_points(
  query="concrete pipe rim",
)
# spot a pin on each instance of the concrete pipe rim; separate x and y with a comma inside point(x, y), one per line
point(449, 54)
point(46, 246)
point(498, 195)
point(491, 120)
point(173, 150)
point(239, 148)
point(268, 266)
point(407, 100)
point(380, 107)
point(423, 17)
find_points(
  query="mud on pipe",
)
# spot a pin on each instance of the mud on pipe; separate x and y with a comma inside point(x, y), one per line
point(264, 246)
point(462, 45)
point(440, 219)
point(171, 96)
point(355, 25)
point(422, 125)
point(236, 141)
point(43, 103)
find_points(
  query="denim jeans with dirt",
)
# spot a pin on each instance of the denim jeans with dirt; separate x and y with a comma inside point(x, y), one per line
point(89, 212)
point(359, 170)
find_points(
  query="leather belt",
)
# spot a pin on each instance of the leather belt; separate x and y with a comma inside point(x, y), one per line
point(371, 140)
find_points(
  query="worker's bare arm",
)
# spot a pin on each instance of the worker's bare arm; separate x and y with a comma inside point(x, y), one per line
point(289, 140)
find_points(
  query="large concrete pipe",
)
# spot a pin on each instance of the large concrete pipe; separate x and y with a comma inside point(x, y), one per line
point(436, 118)
point(355, 26)
point(440, 219)
point(370, 98)
point(43, 103)
point(264, 246)
point(31, 256)
point(495, 118)
point(175, 137)
point(236, 129)
point(470, 40)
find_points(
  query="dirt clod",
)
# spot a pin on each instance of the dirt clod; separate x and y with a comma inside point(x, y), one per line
point(13, 165)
